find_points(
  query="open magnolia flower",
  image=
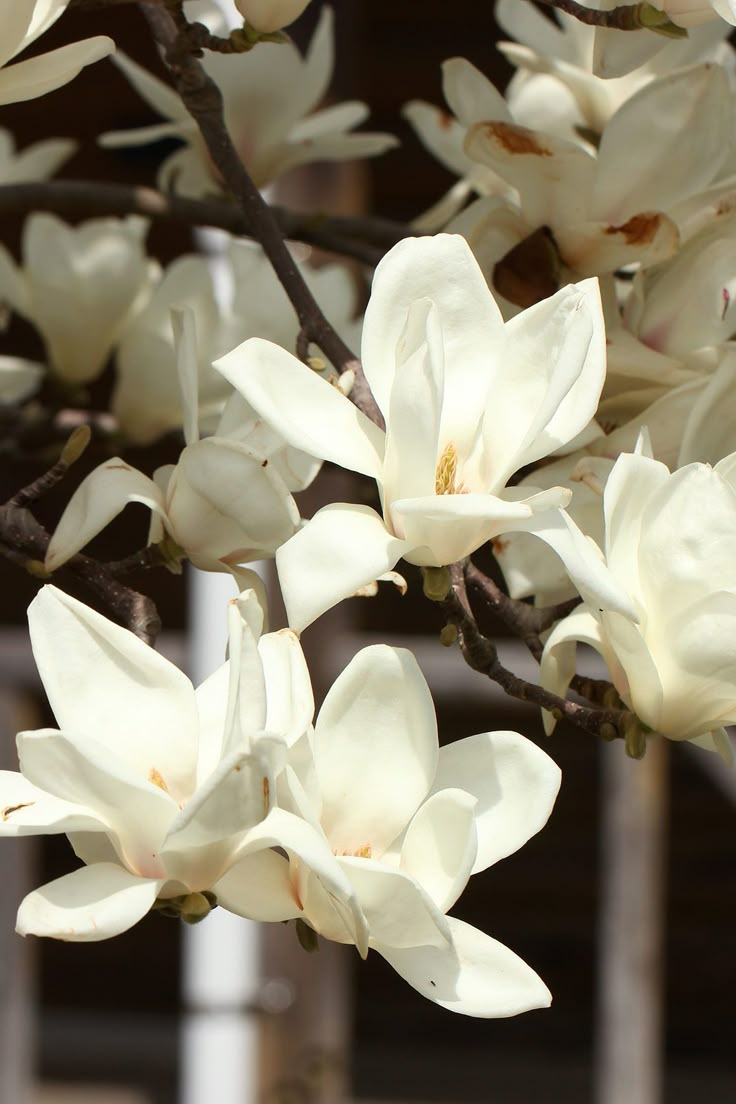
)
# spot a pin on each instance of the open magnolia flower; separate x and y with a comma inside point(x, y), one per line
point(409, 823)
point(223, 503)
point(21, 23)
point(97, 271)
point(669, 542)
point(467, 401)
point(162, 789)
point(584, 213)
point(269, 97)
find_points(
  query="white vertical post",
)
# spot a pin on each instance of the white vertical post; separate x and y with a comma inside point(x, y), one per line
point(16, 966)
point(631, 933)
point(219, 1039)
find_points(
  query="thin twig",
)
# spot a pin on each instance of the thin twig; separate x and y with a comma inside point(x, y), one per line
point(625, 17)
point(203, 100)
point(481, 654)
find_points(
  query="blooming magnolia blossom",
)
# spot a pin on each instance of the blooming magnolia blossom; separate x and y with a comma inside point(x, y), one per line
point(269, 98)
point(409, 823)
point(668, 542)
point(97, 271)
point(604, 211)
point(21, 23)
point(146, 399)
point(467, 402)
point(162, 789)
point(223, 503)
point(270, 15)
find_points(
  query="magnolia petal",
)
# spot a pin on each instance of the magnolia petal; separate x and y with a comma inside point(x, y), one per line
point(583, 560)
point(441, 529)
point(341, 549)
point(442, 135)
point(26, 810)
point(159, 95)
point(442, 269)
point(138, 704)
point(398, 911)
point(259, 888)
point(19, 378)
point(470, 94)
point(308, 845)
point(99, 498)
point(93, 903)
point(596, 248)
point(306, 410)
point(290, 701)
point(28, 79)
point(440, 846)
point(672, 160)
point(475, 975)
point(514, 784)
point(372, 787)
point(557, 665)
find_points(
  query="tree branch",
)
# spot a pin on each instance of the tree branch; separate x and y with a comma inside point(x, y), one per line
point(203, 100)
point(364, 239)
point(625, 17)
point(481, 654)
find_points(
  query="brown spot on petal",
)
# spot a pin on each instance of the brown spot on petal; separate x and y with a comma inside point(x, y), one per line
point(499, 545)
point(266, 796)
point(444, 120)
point(639, 230)
point(10, 809)
point(516, 139)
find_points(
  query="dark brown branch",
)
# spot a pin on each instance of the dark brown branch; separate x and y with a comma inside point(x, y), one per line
point(525, 621)
point(203, 100)
point(625, 17)
point(481, 654)
point(363, 239)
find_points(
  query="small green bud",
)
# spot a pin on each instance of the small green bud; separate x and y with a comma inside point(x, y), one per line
point(635, 741)
point(448, 636)
point(651, 18)
point(436, 583)
point(76, 445)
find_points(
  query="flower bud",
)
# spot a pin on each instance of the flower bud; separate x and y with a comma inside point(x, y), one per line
point(267, 16)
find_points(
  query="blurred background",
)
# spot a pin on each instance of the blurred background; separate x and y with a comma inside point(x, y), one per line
point(624, 904)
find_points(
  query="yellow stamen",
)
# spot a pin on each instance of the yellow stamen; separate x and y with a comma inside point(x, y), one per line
point(156, 777)
point(444, 479)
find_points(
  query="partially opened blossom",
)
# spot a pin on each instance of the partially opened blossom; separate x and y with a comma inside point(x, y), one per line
point(21, 23)
point(669, 542)
point(409, 823)
point(223, 504)
point(467, 402)
point(162, 789)
point(97, 272)
point(270, 95)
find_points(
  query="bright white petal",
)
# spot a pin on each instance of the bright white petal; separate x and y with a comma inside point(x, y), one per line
point(440, 846)
point(93, 903)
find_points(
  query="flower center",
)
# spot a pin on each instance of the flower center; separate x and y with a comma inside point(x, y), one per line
point(364, 852)
point(446, 481)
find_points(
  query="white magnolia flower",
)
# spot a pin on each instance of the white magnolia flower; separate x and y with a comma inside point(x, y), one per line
point(669, 542)
point(21, 23)
point(467, 402)
point(409, 823)
point(223, 503)
point(162, 789)
point(97, 272)
point(36, 162)
point(556, 87)
point(270, 15)
point(604, 210)
point(146, 400)
point(270, 95)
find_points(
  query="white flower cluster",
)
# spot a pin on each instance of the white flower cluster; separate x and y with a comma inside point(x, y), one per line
point(553, 366)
